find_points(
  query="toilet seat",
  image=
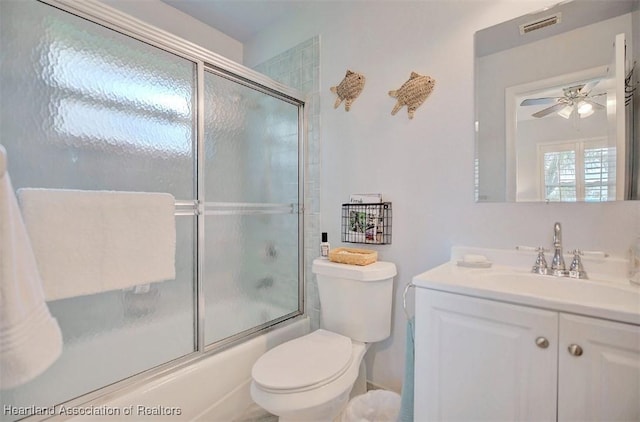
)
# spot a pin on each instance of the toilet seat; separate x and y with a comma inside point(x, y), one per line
point(305, 363)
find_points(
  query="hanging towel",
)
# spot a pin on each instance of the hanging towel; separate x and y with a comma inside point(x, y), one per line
point(406, 404)
point(88, 242)
point(30, 338)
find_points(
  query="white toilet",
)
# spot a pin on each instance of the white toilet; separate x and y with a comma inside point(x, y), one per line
point(310, 378)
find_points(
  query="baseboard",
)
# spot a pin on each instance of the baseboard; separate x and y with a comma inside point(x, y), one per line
point(373, 386)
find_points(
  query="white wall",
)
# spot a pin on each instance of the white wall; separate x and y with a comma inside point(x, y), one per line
point(424, 166)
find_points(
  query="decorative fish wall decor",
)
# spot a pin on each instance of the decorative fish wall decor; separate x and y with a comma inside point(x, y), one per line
point(349, 89)
point(413, 93)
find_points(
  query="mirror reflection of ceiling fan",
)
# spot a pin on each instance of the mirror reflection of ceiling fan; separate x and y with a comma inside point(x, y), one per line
point(575, 99)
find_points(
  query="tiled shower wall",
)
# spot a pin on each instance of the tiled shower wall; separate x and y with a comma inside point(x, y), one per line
point(299, 68)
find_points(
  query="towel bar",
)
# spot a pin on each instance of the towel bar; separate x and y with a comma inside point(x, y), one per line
point(186, 208)
point(193, 207)
point(404, 299)
point(3, 161)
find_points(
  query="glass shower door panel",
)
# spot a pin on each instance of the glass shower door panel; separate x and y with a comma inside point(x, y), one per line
point(110, 336)
point(251, 145)
point(251, 271)
point(84, 107)
point(251, 192)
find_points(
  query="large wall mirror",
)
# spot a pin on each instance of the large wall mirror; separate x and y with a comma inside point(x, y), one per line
point(558, 105)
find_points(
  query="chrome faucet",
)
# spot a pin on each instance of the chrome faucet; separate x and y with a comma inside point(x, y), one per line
point(558, 267)
point(540, 267)
point(576, 269)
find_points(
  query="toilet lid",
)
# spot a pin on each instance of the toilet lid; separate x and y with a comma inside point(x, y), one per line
point(311, 360)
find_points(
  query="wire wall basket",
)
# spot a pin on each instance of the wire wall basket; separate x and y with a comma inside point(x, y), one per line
point(367, 223)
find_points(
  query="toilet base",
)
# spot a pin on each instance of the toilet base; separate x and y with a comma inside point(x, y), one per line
point(329, 411)
point(360, 385)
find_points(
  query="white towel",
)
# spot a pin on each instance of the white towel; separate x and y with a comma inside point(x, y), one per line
point(87, 242)
point(30, 338)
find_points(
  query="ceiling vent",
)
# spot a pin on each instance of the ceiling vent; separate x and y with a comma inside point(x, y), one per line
point(540, 23)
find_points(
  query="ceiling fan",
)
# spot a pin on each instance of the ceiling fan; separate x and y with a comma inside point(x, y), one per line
point(576, 98)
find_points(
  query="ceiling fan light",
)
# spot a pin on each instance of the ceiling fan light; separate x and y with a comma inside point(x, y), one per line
point(566, 112)
point(587, 114)
point(585, 109)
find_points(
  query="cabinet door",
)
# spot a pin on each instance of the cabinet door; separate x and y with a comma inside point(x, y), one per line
point(477, 360)
point(602, 383)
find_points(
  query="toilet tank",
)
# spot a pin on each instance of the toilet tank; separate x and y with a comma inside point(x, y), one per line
point(356, 300)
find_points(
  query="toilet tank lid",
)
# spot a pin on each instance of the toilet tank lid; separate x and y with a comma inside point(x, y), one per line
point(377, 271)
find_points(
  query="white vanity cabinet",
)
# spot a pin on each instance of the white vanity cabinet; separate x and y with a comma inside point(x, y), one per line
point(599, 370)
point(477, 360)
point(485, 360)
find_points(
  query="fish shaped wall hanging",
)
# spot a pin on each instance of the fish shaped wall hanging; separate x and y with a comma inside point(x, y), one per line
point(412, 93)
point(349, 89)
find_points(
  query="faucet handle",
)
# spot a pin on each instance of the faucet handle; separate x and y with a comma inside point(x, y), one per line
point(576, 270)
point(540, 266)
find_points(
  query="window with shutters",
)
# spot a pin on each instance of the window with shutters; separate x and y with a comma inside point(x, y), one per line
point(582, 170)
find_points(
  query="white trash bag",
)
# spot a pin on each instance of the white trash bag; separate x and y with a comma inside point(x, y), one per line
point(374, 406)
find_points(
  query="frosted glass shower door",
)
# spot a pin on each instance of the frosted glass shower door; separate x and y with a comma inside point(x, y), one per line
point(251, 269)
point(84, 107)
point(93, 101)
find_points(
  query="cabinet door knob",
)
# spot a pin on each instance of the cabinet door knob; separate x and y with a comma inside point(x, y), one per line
point(542, 342)
point(575, 350)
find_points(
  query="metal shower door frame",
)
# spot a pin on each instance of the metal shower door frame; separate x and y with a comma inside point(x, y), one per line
point(205, 60)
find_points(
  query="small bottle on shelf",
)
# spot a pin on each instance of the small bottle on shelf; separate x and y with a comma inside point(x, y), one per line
point(324, 246)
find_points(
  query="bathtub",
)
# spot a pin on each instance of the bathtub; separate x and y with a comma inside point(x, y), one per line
point(215, 388)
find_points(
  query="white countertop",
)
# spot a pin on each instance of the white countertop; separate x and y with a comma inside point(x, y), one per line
point(609, 296)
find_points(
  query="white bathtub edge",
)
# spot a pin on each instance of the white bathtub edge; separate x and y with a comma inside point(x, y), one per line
point(215, 387)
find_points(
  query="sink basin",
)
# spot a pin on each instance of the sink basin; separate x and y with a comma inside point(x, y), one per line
point(595, 292)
